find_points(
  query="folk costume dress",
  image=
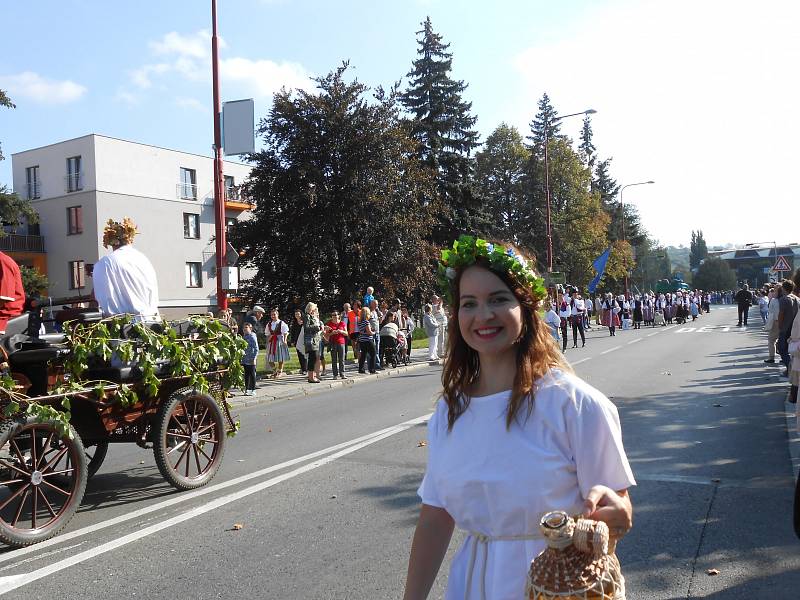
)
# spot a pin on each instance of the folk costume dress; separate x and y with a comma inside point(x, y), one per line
point(277, 350)
point(496, 483)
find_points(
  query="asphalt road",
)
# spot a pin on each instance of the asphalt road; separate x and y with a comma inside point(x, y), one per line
point(324, 488)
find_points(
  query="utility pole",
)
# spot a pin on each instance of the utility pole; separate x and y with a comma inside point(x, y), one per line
point(219, 179)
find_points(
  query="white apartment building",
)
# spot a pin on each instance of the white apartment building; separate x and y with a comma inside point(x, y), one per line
point(77, 185)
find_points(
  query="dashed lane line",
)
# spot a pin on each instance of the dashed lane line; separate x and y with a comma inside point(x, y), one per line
point(634, 341)
point(611, 349)
point(577, 362)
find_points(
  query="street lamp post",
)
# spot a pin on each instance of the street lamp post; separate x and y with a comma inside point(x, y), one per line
point(622, 215)
point(547, 124)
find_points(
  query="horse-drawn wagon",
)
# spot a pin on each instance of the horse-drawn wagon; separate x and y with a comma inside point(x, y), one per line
point(66, 396)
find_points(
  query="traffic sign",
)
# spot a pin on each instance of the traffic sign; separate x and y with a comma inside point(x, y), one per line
point(781, 264)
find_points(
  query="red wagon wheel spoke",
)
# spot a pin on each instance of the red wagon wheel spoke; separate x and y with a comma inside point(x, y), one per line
point(202, 420)
point(184, 453)
point(17, 451)
point(34, 506)
point(178, 423)
point(55, 461)
point(44, 450)
point(13, 468)
point(188, 418)
point(62, 472)
point(18, 514)
point(197, 460)
point(208, 458)
point(14, 495)
point(176, 447)
point(206, 428)
point(47, 503)
point(180, 436)
point(56, 488)
point(34, 462)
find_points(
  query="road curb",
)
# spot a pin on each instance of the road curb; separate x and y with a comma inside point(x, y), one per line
point(302, 390)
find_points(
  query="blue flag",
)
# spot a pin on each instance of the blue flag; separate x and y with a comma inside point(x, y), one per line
point(599, 265)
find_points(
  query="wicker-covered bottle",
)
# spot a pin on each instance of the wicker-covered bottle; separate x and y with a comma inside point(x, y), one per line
point(576, 565)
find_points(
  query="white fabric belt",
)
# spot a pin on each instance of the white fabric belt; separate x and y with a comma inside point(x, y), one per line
point(483, 540)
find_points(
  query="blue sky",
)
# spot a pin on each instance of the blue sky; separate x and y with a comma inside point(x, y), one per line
point(697, 96)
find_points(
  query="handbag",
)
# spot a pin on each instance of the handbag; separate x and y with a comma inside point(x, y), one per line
point(577, 564)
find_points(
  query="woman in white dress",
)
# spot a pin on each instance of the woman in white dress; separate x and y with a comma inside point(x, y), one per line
point(515, 434)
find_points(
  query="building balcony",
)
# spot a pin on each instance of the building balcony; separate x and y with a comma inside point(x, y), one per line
point(73, 182)
point(235, 199)
point(14, 242)
point(186, 191)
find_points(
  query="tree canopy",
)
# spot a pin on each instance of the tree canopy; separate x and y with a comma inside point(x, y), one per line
point(13, 209)
point(714, 274)
point(342, 201)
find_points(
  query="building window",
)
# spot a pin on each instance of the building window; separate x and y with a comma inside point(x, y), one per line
point(76, 275)
point(230, 189)
point(191, 226)
point(188, 184)
point(74, 220)
point(74, 175)
point(32, 182)
point(193, 279)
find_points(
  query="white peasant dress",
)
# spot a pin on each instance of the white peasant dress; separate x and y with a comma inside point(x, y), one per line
point(496, 483)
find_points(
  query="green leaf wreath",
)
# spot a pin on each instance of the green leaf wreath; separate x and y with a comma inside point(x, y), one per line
point(467, 250)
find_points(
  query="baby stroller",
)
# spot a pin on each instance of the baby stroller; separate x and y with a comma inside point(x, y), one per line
point(402, 347)
point(389, 351)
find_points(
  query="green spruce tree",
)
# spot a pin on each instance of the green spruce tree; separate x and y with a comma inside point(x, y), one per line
point(442, 124)
point(586, 146)
point(545, 121)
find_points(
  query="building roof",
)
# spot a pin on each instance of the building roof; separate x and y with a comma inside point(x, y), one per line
point(127, 142)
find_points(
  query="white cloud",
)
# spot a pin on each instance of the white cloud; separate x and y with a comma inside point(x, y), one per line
point(189, 57)
point(265, 77)
point(44, 91)
point(126, 97)
point(697, 96)
point(192, 103)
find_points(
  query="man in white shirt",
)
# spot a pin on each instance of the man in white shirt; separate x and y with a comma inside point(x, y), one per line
point(577, 311)
point(125, 280)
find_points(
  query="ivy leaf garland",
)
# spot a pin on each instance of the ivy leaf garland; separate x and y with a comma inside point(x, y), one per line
point(208, 346)
point(466, 250)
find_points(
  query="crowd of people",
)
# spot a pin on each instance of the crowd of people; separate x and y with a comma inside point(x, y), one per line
point(778, 307)
point(376, 331)
point(568, 309)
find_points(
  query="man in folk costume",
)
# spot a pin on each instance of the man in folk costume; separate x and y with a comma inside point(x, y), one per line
point(125, 280)
point(12, 294)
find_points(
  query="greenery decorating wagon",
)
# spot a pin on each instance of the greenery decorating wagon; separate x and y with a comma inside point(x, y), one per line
point(66, 396)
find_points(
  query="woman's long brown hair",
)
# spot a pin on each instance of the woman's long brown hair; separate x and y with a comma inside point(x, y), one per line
point(537, 353)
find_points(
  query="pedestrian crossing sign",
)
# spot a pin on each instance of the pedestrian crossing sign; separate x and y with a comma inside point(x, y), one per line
point(781, 265)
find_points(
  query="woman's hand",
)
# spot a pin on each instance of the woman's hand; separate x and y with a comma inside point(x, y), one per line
point(613, 508)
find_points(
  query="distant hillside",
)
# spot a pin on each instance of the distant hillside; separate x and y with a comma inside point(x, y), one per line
point(679, 259)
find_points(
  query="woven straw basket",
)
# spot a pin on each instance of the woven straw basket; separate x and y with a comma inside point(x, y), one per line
point(576, 565)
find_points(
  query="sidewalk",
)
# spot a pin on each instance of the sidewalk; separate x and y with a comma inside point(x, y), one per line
point(292, 386)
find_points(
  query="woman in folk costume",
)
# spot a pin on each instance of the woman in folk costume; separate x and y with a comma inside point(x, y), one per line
point(638, 312)
point(647, 309)
point(514, 435)
point(277, 349)
point(669, 308)
point(611, 311)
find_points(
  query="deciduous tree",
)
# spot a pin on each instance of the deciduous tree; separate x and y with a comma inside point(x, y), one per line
point(342, 201)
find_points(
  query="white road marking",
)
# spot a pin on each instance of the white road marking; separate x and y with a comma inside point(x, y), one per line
point(611, 349)
point(8, 584)
point(186, 496)
point(652, 334)
point(685, 330)
point(634, 341)
point(577, 362)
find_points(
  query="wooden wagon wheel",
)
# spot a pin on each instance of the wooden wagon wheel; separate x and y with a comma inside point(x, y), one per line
point(189, 439)
point(42, 480)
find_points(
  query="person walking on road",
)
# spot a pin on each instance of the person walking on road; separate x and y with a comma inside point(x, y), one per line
point(611, 310)
point(763, 306)
point(565, 314)
point(744, 299)
point(494, 465)
point(554, 321)
point(577, 312)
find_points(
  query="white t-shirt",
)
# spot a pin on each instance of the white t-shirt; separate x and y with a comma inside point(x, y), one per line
point(578, 306)
point(125, 283)
point(500, 482)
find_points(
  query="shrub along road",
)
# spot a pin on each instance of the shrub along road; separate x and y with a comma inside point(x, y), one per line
point(323, 488)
